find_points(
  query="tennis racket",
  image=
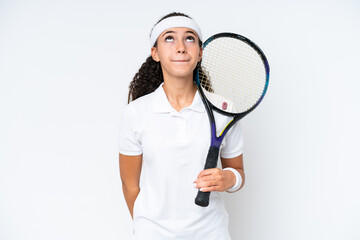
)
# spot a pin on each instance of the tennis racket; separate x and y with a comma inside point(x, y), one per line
point(232, 79)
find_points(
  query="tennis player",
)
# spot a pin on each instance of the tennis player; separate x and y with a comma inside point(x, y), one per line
point(163, 142)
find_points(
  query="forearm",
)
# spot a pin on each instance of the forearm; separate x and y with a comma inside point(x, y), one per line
point(130, 169)
point(130, 194)
point(237, 164)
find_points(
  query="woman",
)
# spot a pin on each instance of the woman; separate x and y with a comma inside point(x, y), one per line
point(164, 138)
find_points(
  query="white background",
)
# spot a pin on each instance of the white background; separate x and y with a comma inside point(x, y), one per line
point(64, 71)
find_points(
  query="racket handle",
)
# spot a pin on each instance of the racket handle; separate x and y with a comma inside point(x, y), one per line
point(202, 198)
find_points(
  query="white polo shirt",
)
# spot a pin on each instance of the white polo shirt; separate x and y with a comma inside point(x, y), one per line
point(174, 146)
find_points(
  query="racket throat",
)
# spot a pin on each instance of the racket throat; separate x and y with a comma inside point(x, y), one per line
point(216, 141)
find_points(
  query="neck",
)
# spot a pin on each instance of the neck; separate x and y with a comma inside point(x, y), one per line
point(179, 92)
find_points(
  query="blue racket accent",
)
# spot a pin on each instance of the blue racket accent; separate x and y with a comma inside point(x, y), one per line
point(215, 141)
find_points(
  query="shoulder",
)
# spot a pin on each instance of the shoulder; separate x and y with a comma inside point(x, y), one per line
point(142, 103)
point(140, 107)
point(135, 113)
point(146, 102)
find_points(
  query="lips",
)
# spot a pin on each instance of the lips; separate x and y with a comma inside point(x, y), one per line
point(180, 60)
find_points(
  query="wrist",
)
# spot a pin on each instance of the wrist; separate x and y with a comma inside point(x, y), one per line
point(238, 181)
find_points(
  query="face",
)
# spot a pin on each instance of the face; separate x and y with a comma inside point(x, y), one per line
point(178, 51)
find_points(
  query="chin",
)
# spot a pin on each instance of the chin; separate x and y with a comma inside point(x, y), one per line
point(183, 74)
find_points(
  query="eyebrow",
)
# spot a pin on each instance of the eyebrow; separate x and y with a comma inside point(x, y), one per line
point(174, 32)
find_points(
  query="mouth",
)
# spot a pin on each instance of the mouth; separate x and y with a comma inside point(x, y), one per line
point(181, 61)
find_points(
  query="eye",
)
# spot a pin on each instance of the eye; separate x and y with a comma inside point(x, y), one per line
point(169, 39)
point(190, 39)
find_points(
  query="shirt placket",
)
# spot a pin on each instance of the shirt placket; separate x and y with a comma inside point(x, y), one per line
point(181, 125)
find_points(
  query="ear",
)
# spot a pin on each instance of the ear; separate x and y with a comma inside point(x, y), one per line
point(155, 54)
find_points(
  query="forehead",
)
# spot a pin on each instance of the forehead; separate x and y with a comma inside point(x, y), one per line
point(179, 30)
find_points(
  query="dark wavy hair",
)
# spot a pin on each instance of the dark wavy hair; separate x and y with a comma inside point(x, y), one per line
point(149, 77)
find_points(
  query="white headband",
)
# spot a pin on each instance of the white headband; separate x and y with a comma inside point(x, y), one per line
point(170, 22)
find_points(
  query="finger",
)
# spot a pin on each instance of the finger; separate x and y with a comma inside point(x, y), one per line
point(209, 189)
point(208, 172)
point(205, 185)
point(207, 182)
point(203, 173)
point(208, 178)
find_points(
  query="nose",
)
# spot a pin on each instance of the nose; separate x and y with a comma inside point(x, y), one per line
point(180, 48)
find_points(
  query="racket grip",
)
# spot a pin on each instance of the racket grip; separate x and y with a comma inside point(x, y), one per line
point(202, 198)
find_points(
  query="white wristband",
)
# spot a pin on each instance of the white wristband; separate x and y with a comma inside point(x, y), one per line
point(238, 180)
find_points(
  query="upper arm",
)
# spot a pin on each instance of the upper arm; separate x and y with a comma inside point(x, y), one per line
point(235, 162)
point(130, 169)
point(232, 146)
point(129, 141)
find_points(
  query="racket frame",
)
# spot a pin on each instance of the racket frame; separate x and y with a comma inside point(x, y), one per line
point(202, 198)
point(216, 140)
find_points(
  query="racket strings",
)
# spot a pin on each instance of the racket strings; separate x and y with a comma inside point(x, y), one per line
point(234, 71)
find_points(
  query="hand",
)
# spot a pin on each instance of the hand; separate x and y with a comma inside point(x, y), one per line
point(215, 179)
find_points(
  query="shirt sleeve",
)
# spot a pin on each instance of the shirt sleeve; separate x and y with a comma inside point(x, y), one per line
point(232, 143)
point(128, 135)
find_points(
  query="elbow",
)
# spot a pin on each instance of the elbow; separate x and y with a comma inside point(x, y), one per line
point(130, 187)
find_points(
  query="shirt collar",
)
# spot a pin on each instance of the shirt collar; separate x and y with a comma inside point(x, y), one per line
point(161, 103)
